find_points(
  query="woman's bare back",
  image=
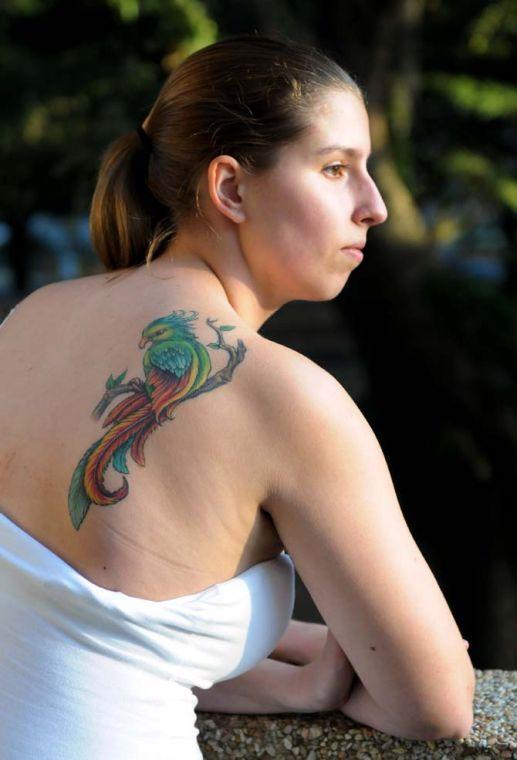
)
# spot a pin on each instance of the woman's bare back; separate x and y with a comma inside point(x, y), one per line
point(192, 514)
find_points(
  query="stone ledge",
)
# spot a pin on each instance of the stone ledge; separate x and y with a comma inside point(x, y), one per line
point(332, 735)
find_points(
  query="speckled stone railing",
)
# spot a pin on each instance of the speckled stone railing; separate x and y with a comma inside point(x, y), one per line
point(332, 735)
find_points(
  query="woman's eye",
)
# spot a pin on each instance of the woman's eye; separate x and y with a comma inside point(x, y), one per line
point(336, 166)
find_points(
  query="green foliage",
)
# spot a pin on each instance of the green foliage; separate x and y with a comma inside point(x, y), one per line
point(494, 31)
point(127, 9)
point(70, 94)
point(485, 98)
point(507, 191)
point(482, 173)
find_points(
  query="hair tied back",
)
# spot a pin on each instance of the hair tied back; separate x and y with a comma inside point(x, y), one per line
point(145, 139)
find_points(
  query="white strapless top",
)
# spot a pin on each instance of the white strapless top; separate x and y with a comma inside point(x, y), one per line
point(87, 673)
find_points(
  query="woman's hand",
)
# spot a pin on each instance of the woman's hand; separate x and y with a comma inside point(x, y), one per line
point(327, 680)
point(301, 643)
point(325, 674)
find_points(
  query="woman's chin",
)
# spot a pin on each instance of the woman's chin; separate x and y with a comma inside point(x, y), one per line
point(326, 290)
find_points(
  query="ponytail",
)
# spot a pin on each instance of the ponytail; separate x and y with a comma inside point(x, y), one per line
point(126, 219)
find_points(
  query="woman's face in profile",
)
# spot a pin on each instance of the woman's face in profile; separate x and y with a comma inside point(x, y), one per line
point(316, 200)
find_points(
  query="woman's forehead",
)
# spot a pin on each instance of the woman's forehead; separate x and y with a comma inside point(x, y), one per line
point(340, 118)
point(349, 138)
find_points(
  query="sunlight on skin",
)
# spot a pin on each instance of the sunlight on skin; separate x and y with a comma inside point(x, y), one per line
point(302, 642)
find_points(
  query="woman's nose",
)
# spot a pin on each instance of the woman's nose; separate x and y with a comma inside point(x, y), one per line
point(371, 208)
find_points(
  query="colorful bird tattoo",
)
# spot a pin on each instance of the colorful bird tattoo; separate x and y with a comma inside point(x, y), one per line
point(176, 367)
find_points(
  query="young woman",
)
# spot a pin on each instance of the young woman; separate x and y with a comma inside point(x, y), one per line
point(164, 467)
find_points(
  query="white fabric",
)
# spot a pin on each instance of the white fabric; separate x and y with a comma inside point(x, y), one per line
point(92, 674)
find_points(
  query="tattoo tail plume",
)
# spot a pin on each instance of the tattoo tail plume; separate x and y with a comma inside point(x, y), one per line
point(134, 421)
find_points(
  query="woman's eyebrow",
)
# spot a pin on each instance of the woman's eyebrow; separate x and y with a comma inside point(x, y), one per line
point(352, 152)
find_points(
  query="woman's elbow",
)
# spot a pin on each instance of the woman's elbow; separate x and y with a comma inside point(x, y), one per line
point(457, 729)
point(455, 719)
point(456, 723)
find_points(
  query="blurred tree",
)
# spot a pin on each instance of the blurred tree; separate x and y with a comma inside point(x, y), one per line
point(75, 75)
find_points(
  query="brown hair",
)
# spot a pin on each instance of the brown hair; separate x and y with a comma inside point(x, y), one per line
point(245, 96)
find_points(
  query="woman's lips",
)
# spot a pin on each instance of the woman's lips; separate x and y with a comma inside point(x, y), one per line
point(355, 252)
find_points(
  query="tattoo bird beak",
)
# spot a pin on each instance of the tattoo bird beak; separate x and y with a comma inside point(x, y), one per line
point(144, 342)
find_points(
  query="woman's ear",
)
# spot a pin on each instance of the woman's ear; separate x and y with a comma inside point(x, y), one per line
point(225, 187)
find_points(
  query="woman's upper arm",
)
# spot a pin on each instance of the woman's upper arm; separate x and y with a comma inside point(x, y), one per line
point(335, 508)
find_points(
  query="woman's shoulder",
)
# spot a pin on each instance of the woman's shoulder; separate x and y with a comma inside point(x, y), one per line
point(290, 380)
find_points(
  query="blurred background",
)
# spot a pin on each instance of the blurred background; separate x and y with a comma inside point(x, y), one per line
point(424, 335)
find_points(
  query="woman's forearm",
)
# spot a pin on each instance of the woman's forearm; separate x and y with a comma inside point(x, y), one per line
point(270, 687)
point(301, 642)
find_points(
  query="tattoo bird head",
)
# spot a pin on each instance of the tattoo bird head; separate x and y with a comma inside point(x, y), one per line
point(174, 326)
